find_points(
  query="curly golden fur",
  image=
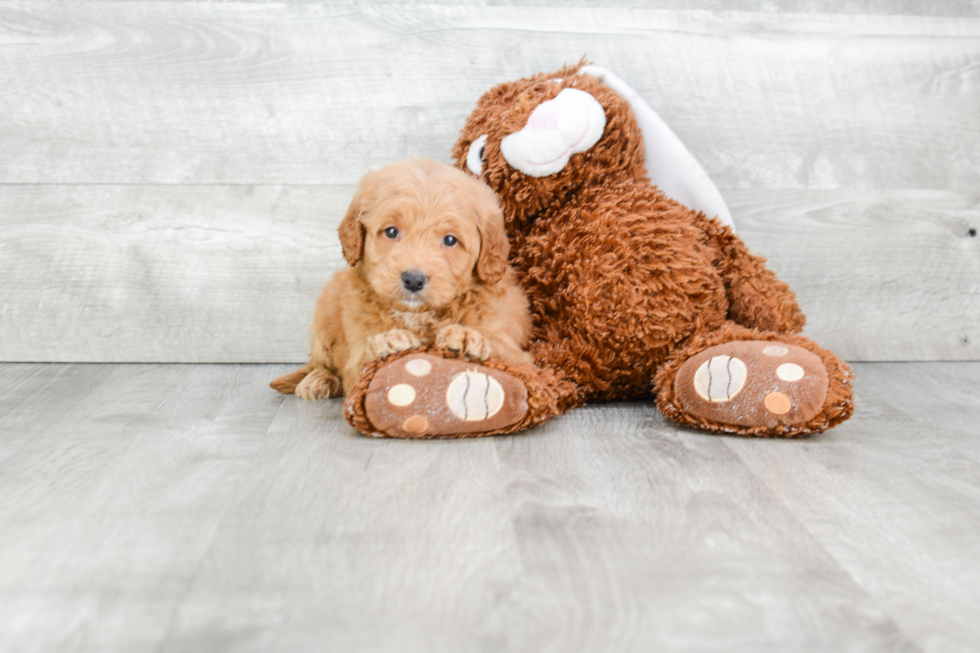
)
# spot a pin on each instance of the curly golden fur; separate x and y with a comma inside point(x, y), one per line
point(428, 265)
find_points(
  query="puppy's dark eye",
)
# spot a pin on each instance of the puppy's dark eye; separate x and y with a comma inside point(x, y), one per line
point(449, 241)
point(391, 232)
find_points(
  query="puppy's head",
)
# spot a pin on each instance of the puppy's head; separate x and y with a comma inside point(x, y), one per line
point(425, 233)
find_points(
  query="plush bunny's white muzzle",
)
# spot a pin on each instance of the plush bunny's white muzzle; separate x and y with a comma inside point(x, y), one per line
point(571, 123)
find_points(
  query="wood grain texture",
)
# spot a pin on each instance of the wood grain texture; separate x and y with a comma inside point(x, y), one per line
point(963, 8)
point(894, 496)
point(313, 94)
point(230, 273)
point(112, 482)
point(172, 172)
point(559, 544)
point(187, 508)
point(161, 273)
point(614, 509)
point(880, 275)
point(354, 544)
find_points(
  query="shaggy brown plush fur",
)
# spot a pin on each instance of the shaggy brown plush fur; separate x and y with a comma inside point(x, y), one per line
point(625, 284)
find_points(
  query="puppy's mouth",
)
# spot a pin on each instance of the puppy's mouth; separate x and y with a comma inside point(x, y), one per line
point(414, 301)
point(411, 301)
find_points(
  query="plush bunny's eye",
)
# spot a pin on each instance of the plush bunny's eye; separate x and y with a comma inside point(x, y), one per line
point(474, 158)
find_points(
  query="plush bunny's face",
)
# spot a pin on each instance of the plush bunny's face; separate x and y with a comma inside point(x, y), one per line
point(537, 141)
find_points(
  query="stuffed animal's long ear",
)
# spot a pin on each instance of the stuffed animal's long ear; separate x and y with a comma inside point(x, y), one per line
point(352, 231)
point(670, 165)
point(494, 246)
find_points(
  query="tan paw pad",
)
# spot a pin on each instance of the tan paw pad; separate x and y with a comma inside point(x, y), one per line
point(775, 350)
point(418, 366)
point(416, 425)
point(401, 395)
point(778, 403)
point(790, 372)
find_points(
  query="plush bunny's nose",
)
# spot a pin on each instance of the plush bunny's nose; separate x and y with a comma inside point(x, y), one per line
point(571, 123)
point(544, 117)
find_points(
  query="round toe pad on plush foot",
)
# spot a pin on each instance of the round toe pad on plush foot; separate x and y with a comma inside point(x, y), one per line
point(426, 396)
point(752, 383)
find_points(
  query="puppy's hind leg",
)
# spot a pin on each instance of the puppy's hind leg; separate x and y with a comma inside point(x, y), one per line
point(315, 380)
point(320, 383)
point(287, 383)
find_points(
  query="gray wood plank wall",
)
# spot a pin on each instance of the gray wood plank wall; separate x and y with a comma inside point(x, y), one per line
point(171, 174)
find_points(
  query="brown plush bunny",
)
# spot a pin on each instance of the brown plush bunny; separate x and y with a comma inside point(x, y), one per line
point(633, 294)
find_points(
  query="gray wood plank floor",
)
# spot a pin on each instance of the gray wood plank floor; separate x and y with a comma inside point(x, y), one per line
point(190, 508)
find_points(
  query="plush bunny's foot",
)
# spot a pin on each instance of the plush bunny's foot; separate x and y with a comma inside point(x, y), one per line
point(759, 387)
point(752, 383)
point(431, 393)
point(426, 396)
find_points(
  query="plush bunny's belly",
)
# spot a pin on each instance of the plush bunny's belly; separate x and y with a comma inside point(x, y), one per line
point(614, 287)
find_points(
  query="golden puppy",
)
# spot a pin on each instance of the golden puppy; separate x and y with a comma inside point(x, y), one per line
point(428, 256)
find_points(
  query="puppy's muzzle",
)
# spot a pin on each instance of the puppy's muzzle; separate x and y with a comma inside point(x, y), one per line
point(413, 280)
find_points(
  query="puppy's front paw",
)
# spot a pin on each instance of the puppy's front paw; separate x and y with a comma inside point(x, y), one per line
point(464, 341)
point(391, 342)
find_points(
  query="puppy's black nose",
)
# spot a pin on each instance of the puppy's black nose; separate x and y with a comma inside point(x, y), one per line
point(413, 280)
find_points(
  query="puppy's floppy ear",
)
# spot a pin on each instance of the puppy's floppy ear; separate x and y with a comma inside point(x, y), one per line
point(494, 246)
point(352, 231)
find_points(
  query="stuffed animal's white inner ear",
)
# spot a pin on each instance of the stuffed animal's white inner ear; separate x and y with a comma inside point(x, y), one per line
point(670, 166)
point(571, 123)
